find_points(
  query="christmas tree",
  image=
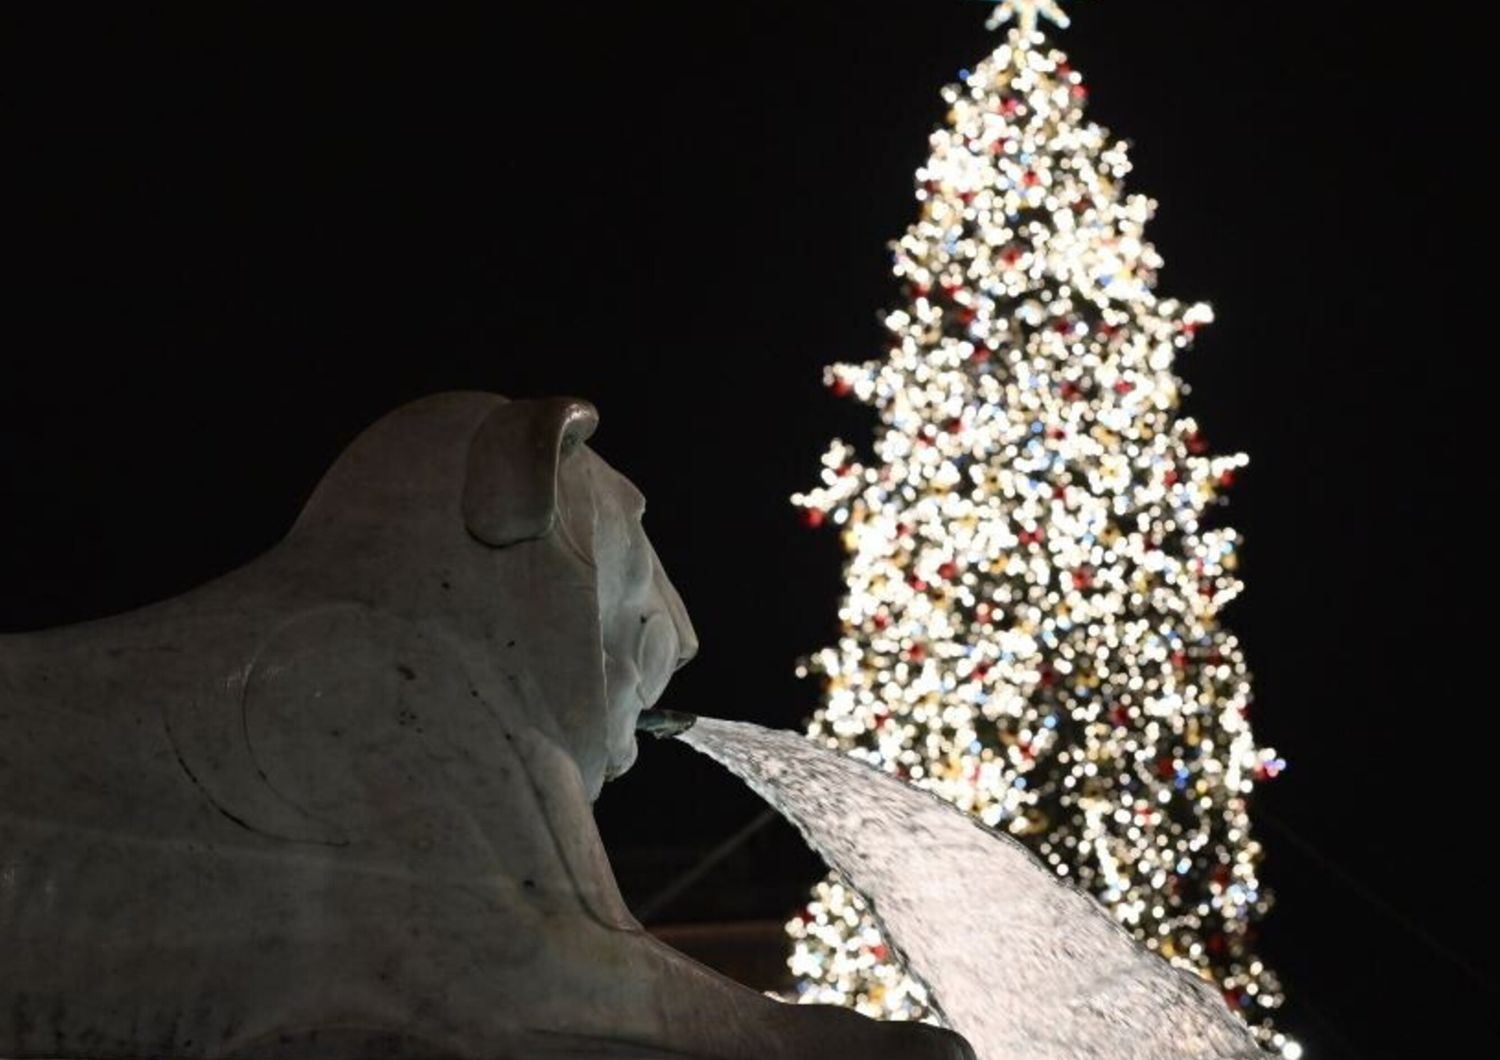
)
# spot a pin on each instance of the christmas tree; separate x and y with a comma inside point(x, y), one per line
point(1031, 628)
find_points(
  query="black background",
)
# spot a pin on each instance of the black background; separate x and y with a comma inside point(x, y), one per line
point(234, 239)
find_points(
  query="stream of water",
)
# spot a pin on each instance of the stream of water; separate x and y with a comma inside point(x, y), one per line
point(1022, 964)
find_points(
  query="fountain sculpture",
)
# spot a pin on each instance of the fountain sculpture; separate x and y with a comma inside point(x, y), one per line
point(337, 803)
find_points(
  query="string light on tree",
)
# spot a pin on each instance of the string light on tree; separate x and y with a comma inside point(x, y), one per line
point(1031, 622)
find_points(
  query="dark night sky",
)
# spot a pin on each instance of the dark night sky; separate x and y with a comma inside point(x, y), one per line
point(236, 240)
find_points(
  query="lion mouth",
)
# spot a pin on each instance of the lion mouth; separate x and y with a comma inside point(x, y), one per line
point(655, 656)
point(629, 749)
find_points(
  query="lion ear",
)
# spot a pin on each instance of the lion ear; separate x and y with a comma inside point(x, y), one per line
point(515, 456)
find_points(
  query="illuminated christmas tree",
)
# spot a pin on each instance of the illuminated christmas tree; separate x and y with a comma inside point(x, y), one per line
point(1032, 622)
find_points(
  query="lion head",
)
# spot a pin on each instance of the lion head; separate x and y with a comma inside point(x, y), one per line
point(541, 547)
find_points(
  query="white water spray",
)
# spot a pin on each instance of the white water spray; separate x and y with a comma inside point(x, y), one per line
point(1022, 964)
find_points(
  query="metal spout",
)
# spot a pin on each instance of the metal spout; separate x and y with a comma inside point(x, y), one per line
point(664, 723)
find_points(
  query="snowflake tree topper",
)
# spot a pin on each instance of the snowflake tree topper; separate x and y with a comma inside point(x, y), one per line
point(1025, 13)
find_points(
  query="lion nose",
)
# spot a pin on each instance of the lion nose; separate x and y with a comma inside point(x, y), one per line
point(687, 639)
point(688, 644)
